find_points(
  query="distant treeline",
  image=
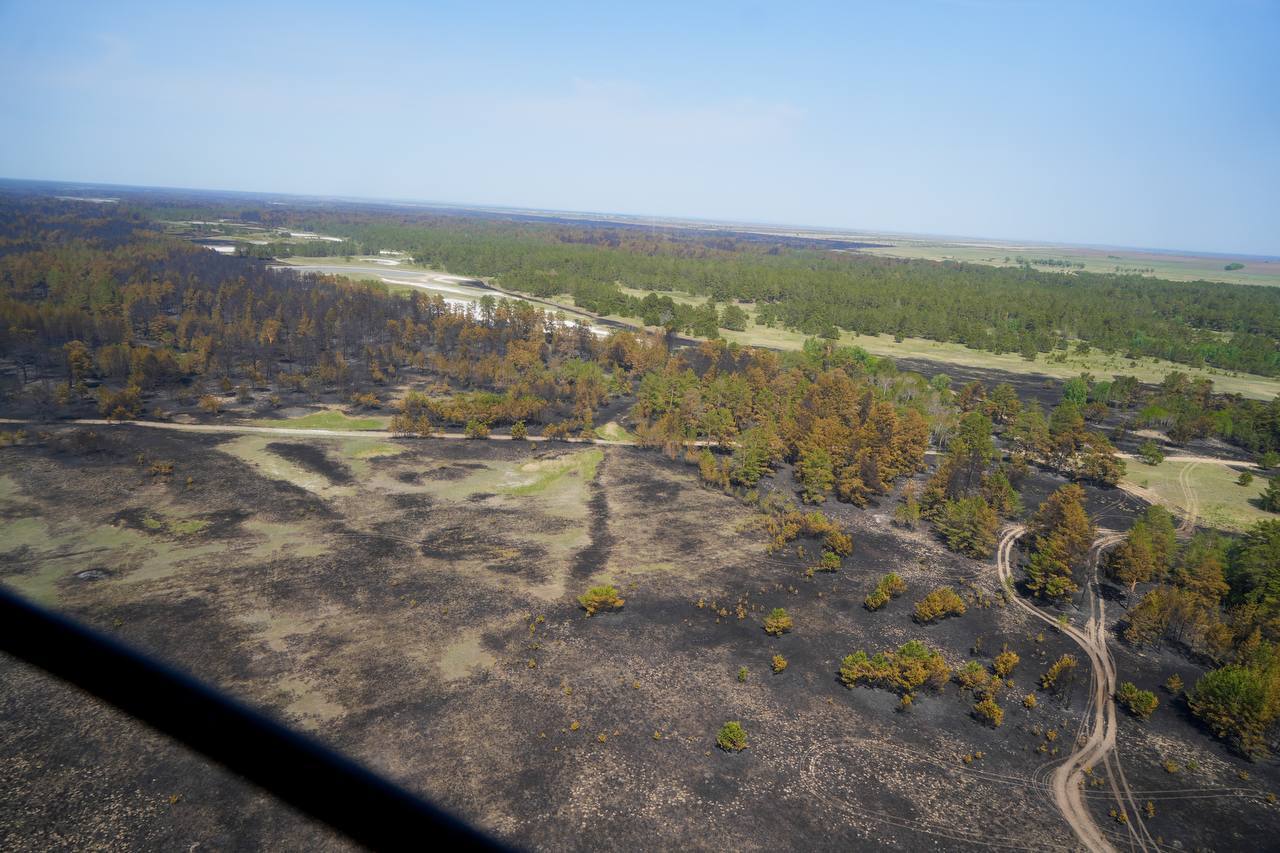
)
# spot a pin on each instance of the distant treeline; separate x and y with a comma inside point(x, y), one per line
point(1014, 309)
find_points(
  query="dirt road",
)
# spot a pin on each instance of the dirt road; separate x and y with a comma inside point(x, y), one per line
point(1096, 745)
point(1190, 500)
point(300, 432)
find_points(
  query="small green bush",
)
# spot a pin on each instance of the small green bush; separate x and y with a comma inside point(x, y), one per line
point(1140, 703)
point(989, 712)
point(973, 676)
point(778, 622)
point(1064, 664)
point(600, 598)
point(886, 589)
point(839, 543)
point(940, 603)
point(1005, 663)
point(732, 737)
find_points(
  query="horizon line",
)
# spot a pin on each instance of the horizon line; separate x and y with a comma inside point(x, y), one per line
point(834, 230)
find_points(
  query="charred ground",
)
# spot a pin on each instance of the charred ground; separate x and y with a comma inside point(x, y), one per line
point(414, 604)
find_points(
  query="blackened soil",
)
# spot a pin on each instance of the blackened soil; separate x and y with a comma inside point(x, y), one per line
point(438, 639)
point(314, 459)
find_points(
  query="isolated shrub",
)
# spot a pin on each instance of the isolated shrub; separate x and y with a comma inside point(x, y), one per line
point(476, 428)
point(519, 431)
point(778, 622)
point(211, 404)
point(600, 598)
point(1064, 664)
point(1174, 684)
point(742, 675)
point(1029, 701)
point(828, 562)
point(973, 676)
point(940, 603)
point(779, 663)
point(1140, 703)
point(887, 588)
point(1005, 663)
point(732, 737)
point(1244, 479)
point(907, 513)
point(913, 665)
point(840, 543)
point(990, 712)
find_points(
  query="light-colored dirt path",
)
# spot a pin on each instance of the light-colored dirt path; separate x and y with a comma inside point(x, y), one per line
point(300, 432)
point(1191, 501)
point(1097, 743)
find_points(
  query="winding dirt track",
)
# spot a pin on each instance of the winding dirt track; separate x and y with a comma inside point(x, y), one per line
point(1097, 744)
point(1191, 501)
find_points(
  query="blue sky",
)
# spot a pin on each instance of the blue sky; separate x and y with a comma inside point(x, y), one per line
point(1120, 123)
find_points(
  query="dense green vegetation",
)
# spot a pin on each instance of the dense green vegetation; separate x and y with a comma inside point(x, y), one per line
point(1186, 409)
point(1218, 598)
point(812, 288)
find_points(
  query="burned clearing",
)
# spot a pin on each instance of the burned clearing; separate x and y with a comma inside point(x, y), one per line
point(414, 603)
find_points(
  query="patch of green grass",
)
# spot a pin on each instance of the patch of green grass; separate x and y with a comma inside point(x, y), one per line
point(376, 450)
point(1174, 267)
point(1100, 364)
point(613, 431)
point(326, 420)
point(176, 526)
point(187, 527)
point(1223, 503)
point(582, 464)
point(252, 449)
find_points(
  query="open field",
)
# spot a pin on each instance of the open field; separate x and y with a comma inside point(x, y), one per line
point(1207, 490)
point(413, 603)
point(1174, 266)
point(326, 420)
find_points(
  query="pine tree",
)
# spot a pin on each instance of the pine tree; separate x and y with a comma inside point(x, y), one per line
point(816, 474)
point(1062, 535)
point(968, 526)
point(1134, 561)
point(1270, 500)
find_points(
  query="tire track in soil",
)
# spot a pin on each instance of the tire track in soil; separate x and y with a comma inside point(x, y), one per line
point(1099, 744)
point(1191, 500)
